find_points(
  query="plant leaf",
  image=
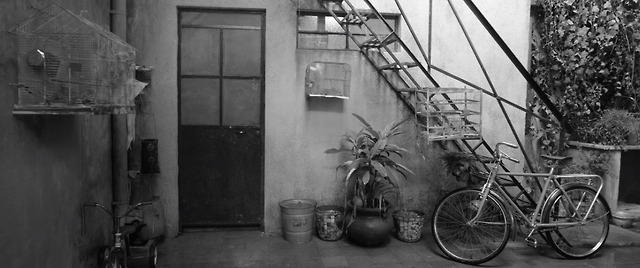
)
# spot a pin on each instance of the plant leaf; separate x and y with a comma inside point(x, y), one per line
point(392, 129)
point(368, 127)
point(346, 163)
point(366, 177)
point(335, 151)
point(380, 168)
point(392, 148)
point(378, 147)
point(353, 167)
point(392, 176)
point(401, 168)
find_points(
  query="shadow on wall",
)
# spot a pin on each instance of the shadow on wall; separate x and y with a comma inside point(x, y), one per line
point(321, 104)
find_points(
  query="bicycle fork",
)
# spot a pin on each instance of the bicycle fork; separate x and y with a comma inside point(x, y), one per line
point(118, 251)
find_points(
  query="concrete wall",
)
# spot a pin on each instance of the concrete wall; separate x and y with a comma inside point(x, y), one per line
point(451, 51)
point(298, 129)
point(50, 166)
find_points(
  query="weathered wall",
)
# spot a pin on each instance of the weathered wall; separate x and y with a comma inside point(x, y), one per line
point(451, 51)
point(299, 129)
point(50, 166)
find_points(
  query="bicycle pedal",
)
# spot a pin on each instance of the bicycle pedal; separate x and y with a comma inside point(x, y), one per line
point(532, 242)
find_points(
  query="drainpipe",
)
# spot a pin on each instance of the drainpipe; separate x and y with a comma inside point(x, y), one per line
point(120, 180)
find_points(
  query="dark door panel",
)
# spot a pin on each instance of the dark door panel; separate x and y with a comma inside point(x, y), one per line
point(224, 187)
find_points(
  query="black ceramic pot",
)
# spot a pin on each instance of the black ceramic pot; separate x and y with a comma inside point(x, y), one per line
point(370, 227)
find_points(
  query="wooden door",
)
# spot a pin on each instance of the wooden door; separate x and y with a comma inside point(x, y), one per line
point(221, 103)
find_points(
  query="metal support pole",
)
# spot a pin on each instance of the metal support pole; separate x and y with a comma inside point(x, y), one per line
point(119, 123)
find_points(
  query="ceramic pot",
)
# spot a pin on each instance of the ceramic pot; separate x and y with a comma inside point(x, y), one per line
point(370, 227)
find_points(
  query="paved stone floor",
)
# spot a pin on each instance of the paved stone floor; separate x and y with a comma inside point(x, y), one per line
point(255, 249)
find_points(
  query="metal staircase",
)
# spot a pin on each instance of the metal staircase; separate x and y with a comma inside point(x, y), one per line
point(413, 83)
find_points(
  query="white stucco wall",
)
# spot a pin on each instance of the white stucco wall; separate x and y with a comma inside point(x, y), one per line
point(451, 51)
point(297, 129)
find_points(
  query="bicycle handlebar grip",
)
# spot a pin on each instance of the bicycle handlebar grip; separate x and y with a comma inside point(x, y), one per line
point(512, 159)
point(507, 144)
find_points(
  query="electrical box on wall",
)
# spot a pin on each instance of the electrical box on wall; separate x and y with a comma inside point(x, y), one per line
point(327, 79)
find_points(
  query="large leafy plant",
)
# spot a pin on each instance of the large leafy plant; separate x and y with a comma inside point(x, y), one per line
point(372, 172)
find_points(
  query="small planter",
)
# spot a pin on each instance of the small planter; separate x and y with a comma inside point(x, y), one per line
point(409, 224)
point(329, 222)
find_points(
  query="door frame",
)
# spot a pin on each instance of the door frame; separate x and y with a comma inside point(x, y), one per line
point(257, 11)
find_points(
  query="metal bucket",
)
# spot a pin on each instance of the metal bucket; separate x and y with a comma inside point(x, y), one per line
point(297, 219)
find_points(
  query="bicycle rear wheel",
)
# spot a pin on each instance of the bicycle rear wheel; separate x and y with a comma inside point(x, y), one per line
point(577, 241)
point(470, 243)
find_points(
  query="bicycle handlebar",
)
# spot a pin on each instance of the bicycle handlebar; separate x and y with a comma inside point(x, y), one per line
point(136, 206)
point(506, 144)
point(108, 211)
point(502, 154)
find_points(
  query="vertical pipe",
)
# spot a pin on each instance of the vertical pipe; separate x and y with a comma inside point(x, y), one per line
point(120, 181)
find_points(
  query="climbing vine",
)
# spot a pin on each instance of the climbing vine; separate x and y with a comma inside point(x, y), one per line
point(585, 52)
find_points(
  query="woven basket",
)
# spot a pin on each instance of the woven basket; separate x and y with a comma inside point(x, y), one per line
point(409, 224)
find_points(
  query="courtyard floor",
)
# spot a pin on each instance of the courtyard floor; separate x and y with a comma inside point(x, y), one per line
point(256, 249)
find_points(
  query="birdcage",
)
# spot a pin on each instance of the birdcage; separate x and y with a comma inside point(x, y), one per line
point(67, 64)
point(453, 113)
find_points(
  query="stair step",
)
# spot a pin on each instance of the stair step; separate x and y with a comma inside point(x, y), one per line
point(436, 90)
point(353, 19)
point(396, 66)
point(452, 137)
point(413, 89)
point(449, 90)
point(375, 42)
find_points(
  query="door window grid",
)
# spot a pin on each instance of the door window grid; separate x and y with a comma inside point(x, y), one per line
point(223, 76)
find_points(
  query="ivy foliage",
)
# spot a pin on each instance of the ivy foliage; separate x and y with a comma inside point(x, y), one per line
point(586, 53)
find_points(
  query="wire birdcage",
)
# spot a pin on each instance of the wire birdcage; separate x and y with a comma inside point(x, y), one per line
point(67, 63)
point(456, 116)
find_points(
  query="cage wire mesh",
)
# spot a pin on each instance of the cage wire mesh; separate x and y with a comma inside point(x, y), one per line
point(456, 116)
point(66, 62)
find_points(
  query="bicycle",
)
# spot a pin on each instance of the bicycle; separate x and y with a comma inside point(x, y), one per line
point(472, 225)
point(120, 252)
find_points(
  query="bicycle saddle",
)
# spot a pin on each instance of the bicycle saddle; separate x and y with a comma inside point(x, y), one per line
point(559, 160)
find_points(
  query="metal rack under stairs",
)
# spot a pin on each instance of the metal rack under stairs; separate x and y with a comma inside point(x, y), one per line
point(434, 106)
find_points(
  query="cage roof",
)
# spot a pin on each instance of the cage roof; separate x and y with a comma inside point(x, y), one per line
point(55, 23)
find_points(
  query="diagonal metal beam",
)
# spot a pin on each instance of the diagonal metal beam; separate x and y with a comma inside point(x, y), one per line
point(523, 71)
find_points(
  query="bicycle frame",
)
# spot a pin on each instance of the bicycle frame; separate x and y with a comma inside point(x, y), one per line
point(531, 221)
point(119, 249)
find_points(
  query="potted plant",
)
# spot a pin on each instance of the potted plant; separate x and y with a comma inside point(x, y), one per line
point(464, 166)
point(372, 176)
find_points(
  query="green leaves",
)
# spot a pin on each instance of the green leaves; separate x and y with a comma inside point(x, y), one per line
point(587, 52)
point(335, 151)
point(371, 163)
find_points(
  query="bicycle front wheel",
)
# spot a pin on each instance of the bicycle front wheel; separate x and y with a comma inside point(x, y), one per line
point(580, 240)
point(465, 242)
